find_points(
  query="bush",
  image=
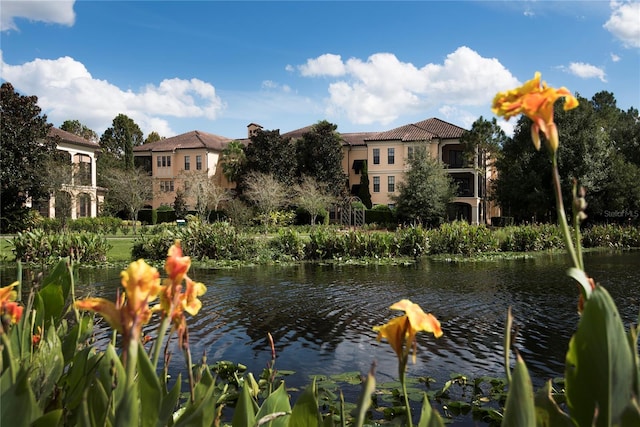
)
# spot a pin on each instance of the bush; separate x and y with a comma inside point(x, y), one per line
point(288, 245)
point(526, 238)
point(42, 247)
point(413, 241)
point(459, 237)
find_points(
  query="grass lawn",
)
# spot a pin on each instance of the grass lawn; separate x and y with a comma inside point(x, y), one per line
point(120, 249)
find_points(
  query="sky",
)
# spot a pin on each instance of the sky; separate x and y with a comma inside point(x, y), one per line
point(216, 66)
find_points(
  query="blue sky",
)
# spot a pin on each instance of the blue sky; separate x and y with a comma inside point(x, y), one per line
point(366, 66)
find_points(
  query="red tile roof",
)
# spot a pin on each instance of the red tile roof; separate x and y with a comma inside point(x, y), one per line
point(425, 130)
point(71, 137)
point(193, 139)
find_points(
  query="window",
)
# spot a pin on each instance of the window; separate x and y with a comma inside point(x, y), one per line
point(456, 159)
point(199, 163)
point(376, 184)
point(187, 163)
point(164, 161)
point(166, 186)
point(391, 155)
point(391, 184)
point(409, 153)
point(376, 156)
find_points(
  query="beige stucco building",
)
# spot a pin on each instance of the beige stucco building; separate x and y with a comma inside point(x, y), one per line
point(83, 195)
point(172, 161)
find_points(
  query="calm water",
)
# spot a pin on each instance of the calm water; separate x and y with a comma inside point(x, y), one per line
point(321, 316)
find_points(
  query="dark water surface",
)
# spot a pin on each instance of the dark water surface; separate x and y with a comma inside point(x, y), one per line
point(321, 316)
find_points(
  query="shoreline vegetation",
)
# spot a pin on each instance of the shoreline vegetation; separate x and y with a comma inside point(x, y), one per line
point(220, 245)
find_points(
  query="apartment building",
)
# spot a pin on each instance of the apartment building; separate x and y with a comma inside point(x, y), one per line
point(385, 155)
point(179, 162)
point(82, 195)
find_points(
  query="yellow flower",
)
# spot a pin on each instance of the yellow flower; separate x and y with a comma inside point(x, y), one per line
point(535, 100)
point(142, 285)
point(401, 331)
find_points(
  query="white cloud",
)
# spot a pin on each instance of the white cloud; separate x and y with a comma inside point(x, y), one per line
point(50, 11)
point(382, 88)
point(324, 65)
point(67, 91)
point(587, 71)
point(624, 22)
point(615, 58)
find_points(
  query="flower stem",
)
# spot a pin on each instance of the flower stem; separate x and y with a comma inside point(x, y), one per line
point(562, 217)
point(159, 339)
point(402, 371)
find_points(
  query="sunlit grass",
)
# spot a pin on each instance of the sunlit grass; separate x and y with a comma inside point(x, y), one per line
point(120, 249)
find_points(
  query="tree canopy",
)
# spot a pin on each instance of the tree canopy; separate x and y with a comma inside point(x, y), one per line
point(117, 142)
point(270, 153)
point(598, 148)
point(319, 154)
point(77, 128)
point(425, 191)
point(24, 150)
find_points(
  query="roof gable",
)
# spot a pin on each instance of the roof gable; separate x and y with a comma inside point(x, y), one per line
point(71, 138)
point(189, 140)
point(425, 130)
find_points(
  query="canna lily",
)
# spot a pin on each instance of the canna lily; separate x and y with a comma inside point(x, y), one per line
point(535, 100)
point(175, 297)
point(401, 331)
point(8, 305)
point(131, 310)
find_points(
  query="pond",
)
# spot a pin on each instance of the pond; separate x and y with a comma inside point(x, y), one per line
point(321, 316)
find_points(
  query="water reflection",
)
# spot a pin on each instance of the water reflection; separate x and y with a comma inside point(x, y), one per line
point(321, 316)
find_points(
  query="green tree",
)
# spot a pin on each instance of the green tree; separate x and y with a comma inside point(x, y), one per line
point(153, 137)
point(271, 154)
point(180, 204)
point(597, 139)
point(77, 128)
point(24, 150)
point(117, 142)
point(233, 160)
point(482, 146)
point(319, 154)
point(426, 191)
point(364, 193)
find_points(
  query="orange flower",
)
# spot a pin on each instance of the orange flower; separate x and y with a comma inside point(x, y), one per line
point(401, 331)
point(8, 305)
point(131, 310)
point(177, 265)
point(535, 100)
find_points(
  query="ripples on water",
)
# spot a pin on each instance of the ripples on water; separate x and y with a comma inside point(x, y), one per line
point(321, 316)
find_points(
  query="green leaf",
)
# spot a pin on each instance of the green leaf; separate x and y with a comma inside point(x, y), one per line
point(18, 403)
point(47, 366)
point(305, 411)
point(429, 417)
point(149, 389)
point(169, 402)
point(96, 404)
point(202, 411)
point(519, 409)
point(278, 401)
point(244, 414)
point(364, 401)
point(548, 413)
point(599, 370)
point(55, 290)
point(51, 418)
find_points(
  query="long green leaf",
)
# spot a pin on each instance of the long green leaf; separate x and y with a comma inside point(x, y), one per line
point(278, 401)
point(149, 389)
point(18, 405)
point(599, 370)
point(364, 401)
point(429, 417)
point(244, 414)
point(305, 411)
point(519, 409)
point(169, 402)
point(548, 413)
